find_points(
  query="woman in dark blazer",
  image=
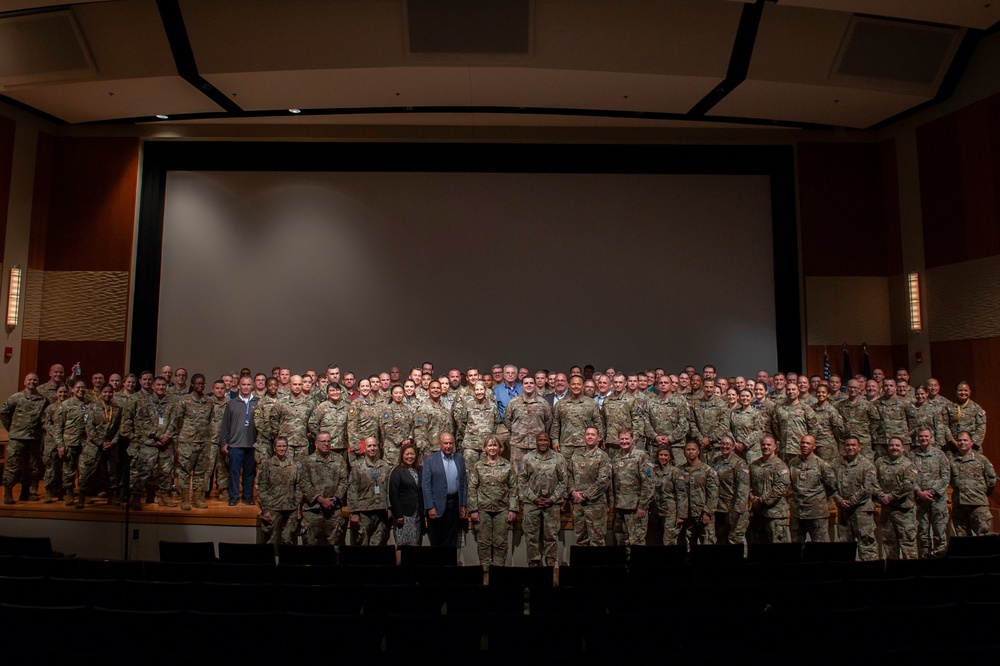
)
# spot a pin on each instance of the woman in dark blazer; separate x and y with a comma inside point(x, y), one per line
point(406, 498)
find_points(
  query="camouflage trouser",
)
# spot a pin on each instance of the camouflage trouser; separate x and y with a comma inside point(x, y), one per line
point(971, 520)
point(150, 461)
point(694, 530)
point(71, 461)
point(570, 450)
point(280, 531)
point(372, 528)
point(898, 529)
point(630, 529)
point(541, 533)
point(817, 529)
point(932, 527)
point(828, 453)
point(390, 453)
point(93, 460)
point(859, 526)
point(262, 450)
point(731, 527)
point(298, 454)
point(503, 435)
point(472, 456)
point(218, 464)
point(24, 462)
point(677, 453)
point(323, 528)
point(53, 470)
point(764, 529)
point(590, 522)
point(516, 456)
point(194, 461)
point(662, 528)
point(492, 534)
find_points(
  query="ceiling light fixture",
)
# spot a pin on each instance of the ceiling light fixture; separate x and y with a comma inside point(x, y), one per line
point(294, 110)
point(162, 116)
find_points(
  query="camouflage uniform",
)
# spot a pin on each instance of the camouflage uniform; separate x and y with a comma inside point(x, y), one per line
point(368, 491)
point(326, 476)
point(669, 503)
point(892, 422)
point(277, 494)
point(856, 483)
point(493, 494)
point(70, 435)
point(973, 480)
point(103, 423)
point(263, 446)
point(933, 473)
point(621, 412)
point(791, 423)
point(395, 426)
point(747, 426)
point(191, 428)
point(701, 489)
point(970, 418)
point(769, 480)
point(828, 430)
point(150, 421)
point(711, 421)
point(474, 422)
point(632, 480)
point(430, 421)
point(362, 423)
point(812, 482)
point(50, 458)
point(331, 417)
point(590, 473)
point(218, 462)
point(898, 521)
point(668, 417)
point(861, 419)
point(48, 390)
point(925, 416)
point(542, 475)
point(289, 419)
point(525, 418)
point(732, 515)
point(21, 416)
point(570, 420)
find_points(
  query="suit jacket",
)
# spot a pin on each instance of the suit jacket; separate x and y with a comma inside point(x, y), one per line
point(405, 495)
point(435, 485)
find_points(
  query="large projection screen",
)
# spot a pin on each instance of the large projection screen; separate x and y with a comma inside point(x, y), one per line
point(370, 270)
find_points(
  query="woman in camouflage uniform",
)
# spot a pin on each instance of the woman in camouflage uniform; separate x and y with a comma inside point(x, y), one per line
point(492, 503)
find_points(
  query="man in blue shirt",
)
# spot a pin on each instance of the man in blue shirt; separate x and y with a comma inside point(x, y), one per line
point(446, 492)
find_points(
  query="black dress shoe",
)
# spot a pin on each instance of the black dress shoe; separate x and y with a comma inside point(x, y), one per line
point(232, 502)
point(248, 502)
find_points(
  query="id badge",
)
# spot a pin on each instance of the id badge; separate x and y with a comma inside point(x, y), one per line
point(246, 423)
point(377, 490)
point(161, 420)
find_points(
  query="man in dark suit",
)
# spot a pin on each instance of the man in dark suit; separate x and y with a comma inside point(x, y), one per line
point(559, 391)
point(446, 492)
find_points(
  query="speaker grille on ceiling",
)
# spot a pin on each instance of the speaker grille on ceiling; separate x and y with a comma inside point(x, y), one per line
point(911, 55)
point(42, 47)
point(469, 26)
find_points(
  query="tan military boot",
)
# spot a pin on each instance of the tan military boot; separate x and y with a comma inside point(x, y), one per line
point(164, 499)
point(81, 501)
point(135, 504)
point(8, 494)
point(70, 499)
point(185, 500)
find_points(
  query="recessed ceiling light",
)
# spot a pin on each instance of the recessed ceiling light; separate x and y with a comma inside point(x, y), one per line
point(162, 116)
point(294, 110)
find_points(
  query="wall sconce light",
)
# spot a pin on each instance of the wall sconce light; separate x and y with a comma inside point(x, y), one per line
point(916, 323)
point(14, 297)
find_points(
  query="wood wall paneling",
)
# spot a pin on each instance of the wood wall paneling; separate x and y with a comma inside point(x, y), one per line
point(106, 357)
point(890, 208)
point(887, 357)
point(40, 198)
point(959, 157)
point(6, 171)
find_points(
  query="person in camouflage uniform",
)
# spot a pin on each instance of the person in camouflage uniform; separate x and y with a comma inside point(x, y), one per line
point(542, 483)
point(103, 423)
point(323, 484)
point(922, 414)
point(792, 421)
point(21, 416)
point(290, 418)
point(668, 418)
point(191, 428)
point(973, 480)
point(732, 515)
point(57, 377)
point(964, 415)
point(150, 446)
point(855, 486)
point(431, 420)
point(492, 503)
point(620, 412)
point(711, 421)
point(278, 497)
point(218, 462)
point(331, 416)
point(669, 508)
point(861, 419)
point(395, 425)
point(571, 418)
point(931, 494)
point(892, 418)
point(476, 418)
point(362, 423)
point(267, 403)
point(70, 435)
point(526, 416)
point(812, 482)
point(897, 479)
point(829, 428)
point(632, 481)
point(590, 481)
point(368, 493)
point(746, 426)
point(769, 482)
point(701, 490)
point(50, 456)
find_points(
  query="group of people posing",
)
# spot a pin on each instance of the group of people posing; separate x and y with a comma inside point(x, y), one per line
point(691, 457)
